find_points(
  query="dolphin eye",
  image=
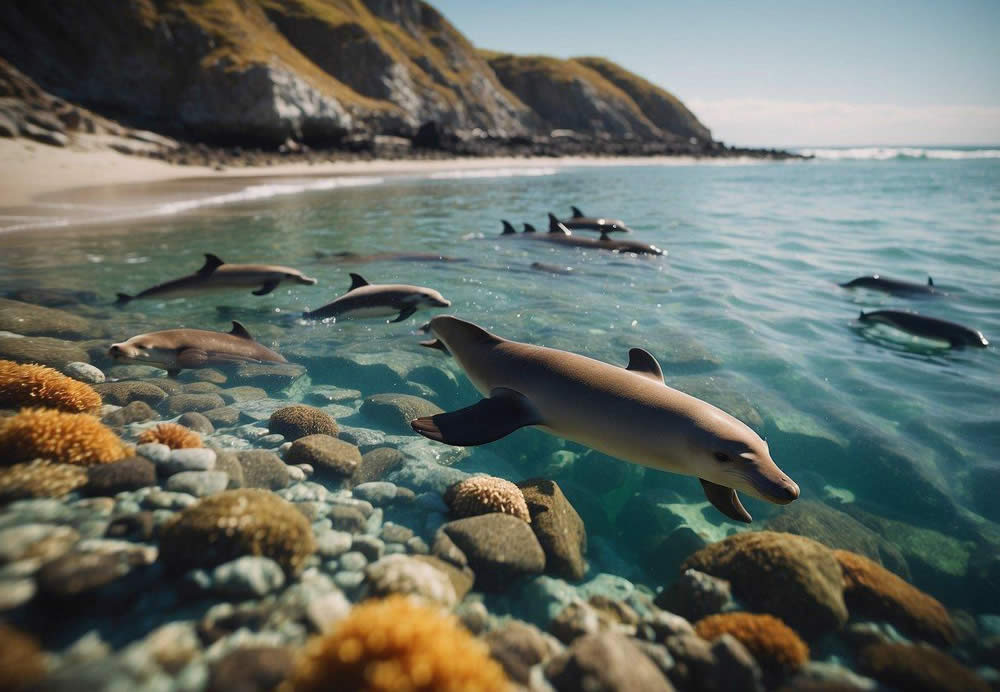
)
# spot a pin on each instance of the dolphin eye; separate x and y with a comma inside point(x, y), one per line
point(722, 456)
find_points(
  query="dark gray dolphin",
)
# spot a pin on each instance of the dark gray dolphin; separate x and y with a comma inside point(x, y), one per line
point(627, 412)
point(928, 327)
point(379, 300)
point(177, 349)
point(896, 287)
point(581, 222)
point(558, 234)
point(216, 275)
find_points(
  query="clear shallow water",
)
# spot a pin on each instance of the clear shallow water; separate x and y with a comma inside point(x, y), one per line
point(744, 312)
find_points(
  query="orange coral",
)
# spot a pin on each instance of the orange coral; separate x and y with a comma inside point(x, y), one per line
point(397, 644)
point(67, 438)
point(39, 478)
point(918, 668)
point(38, 385)
point(172, 435)
point(772, 642)
point(234, 523)
point(484, 495)
point(22, 662)
point(872, 591)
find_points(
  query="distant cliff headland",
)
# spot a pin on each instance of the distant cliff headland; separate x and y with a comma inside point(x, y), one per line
point(374, 78)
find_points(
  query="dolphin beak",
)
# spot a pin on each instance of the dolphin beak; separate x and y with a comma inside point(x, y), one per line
point(116, 351)
point(307, 280)
point(444, 303)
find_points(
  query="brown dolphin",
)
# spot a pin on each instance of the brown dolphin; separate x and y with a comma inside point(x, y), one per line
point(560, 235)
point(379, 300)
point(177, 349)
point(216, 275)
point(628, 413)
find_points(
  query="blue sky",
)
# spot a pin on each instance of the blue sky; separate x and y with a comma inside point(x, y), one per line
point(780, 72)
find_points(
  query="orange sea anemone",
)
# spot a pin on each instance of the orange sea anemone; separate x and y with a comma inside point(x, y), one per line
point(66, 438)
point(395, 644)
point(172, 435)
point(38, 385)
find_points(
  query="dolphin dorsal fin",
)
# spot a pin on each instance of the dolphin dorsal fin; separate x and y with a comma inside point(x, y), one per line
point(577, 214)
point(212, 262)
point(507, 228)
point(642, 362)
point(528, 228)
point(930, 281)
point(357, 281)
point(556, 226)
point(861, 315)
point(240, 331)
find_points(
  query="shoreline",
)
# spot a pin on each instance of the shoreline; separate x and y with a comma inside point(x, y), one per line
point(45, 187)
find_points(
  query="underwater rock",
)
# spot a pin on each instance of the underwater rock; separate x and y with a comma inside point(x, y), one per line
point(235, 523)
point(422, 475)
point(499, 547)
point(835, 529)
point(441, 381)
point(189, 459)
point(203, 375)
point(35, 541)
point(696, 595)
point(54, 353)
point(251, 669)
point(349, 519)
point(579, 618)
point(330, 458)
point(76, 575)
point(224, 417)
point(261, 469)
point(820, 676)
point(177, 404)
point(39, 478)
point(269, 376)
point(128, 474)
point(918, 668)
point(518, 646)
point(134, 412)
point(201, 387)
point(484, 494)
point(664, 559)
point(243, 394)
point(558, 527)
point(123, 393)
point(198, 483)
point(379, 493)
point(197, 422)
point(35, 320)
point(367, 439)
point(323, 395)
point(395, 411)
point(298, 421)
point(401, 574)
point(872, 592)
point(792, 577)
point(735, 666)
point(605, 662)
point(694, 662)
point(247, 577)
point(138, 526)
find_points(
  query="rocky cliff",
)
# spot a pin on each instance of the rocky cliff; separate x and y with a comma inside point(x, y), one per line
point(324, 72)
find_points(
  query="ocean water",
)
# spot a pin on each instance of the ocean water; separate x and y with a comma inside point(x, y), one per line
point(744, 311)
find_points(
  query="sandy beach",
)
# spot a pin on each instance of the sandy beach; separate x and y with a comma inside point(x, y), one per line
point(44, 187)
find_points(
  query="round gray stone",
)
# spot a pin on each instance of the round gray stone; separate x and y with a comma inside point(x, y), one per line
point(198, 483)
point(84, 372)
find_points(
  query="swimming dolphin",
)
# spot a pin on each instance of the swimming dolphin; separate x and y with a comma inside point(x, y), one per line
point(581, 222)
point(895, 287)
point(560, 235)
point(217, 275)
point(379, 300)
point(177, 349)
point(928, 327)
point(628, 413)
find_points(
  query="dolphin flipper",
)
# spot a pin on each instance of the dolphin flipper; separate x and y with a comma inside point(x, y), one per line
point(486, 421)
point(726, 501)
point(192, 358)
point(123, 298)
point(436, 344)
point(266, 288)
point(404, 314)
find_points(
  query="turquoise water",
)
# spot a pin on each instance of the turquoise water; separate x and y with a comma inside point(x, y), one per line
point(744, 311)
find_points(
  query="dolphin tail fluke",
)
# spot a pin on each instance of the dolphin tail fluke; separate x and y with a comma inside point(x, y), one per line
point(726, 501)
point(123, 298)
point(489, 420)
point(577, 214)
point(507, 227)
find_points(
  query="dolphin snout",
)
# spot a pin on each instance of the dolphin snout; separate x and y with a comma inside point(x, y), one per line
point(115, 351)
point(307, 280)
point(784, 491)
point(443, 303)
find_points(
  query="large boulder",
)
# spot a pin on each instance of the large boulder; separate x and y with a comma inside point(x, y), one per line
point(499, 548)
point(559, 529)
point(35, 320)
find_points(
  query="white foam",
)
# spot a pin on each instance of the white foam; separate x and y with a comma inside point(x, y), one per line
point(493, 173)
point(897, 153)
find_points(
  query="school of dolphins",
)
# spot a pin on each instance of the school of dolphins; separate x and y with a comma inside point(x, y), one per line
point(627, 412)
